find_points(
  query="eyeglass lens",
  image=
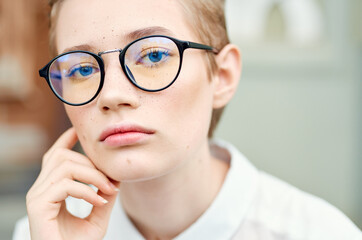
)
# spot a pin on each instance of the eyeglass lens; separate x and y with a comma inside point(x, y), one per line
point(150, 63)
point(75, 77)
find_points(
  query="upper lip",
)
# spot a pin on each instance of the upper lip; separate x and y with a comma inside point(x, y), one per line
point(123, 128)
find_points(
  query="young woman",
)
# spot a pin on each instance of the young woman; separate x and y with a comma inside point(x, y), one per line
point(144, 84)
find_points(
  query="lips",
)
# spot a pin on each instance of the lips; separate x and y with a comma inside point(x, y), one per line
point(125, 134)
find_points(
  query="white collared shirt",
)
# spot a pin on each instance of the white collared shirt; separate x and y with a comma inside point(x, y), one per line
point(251, 205)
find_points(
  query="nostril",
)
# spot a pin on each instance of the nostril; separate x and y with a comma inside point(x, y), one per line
point(109, 107)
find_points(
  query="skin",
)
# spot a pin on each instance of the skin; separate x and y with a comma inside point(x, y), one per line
point(161, 174)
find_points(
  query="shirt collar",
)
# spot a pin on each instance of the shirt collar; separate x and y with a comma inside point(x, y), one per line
point(221, 220)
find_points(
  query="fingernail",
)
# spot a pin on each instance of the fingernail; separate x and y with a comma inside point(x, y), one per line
point(102, 199)
point(113, 187)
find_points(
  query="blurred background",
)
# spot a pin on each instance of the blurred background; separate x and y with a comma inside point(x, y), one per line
point(30, 117)
point(297, 113)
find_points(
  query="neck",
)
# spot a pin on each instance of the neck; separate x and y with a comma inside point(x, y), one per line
point(162, 208)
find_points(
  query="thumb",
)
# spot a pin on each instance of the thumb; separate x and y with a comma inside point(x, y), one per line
point(100, 214)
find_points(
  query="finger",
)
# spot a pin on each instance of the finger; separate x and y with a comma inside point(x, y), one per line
point(58, 157)
point(51, 201)
point(100, 214)
point(75, 171)
point(67, 140)
point(61, 190)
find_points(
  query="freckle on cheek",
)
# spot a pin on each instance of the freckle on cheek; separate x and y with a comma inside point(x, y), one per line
point(129, 162)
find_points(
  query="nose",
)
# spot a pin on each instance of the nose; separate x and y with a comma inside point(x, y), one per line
point(117, 90)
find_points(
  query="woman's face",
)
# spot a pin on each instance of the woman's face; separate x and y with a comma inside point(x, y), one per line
point(151, 133)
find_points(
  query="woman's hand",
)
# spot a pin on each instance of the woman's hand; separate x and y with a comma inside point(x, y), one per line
point(48, 217)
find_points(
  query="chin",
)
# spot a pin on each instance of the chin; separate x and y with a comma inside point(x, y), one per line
point(137, 170)
point(126, 170)
point(133, 178)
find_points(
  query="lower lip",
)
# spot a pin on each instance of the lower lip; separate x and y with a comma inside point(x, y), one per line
point(126, 139)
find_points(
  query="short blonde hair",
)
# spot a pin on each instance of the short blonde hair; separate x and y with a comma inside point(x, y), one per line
point(205, 17)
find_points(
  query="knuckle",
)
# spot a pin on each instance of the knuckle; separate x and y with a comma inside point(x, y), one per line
point(30, 202)
point(98, 178)
point(96, 174)
point(30, 193)
point(85, 194)
point(65, 182)
point(58, 151)
point(51, 155)
point(30, 205)
point(45, 158)
point(28, 198)
point(89, 194)
point(46, 155)
point(67, 164)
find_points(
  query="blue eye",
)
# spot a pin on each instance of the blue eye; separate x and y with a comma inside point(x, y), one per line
point(82, 71)
point(153, 57)
point(85, 71)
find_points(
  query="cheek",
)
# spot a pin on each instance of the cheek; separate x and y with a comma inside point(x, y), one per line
point(82, 120)
point(190, 106)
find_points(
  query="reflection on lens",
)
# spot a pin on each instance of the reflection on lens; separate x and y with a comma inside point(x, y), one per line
point(75, 77)
point(130, 74)
point(152, 62)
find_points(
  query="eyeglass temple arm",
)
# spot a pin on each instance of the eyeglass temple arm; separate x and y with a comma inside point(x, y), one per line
point(202, 46)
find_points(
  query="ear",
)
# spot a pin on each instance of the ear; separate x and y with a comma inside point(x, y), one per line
point(226, 78)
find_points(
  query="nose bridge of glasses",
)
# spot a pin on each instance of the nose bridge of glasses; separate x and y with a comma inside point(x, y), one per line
point(109, 51)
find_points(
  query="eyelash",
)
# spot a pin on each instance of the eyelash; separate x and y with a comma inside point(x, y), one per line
point(76, 68)
point(164, 52)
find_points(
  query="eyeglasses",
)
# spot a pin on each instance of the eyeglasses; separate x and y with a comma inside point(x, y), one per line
point(151, 63)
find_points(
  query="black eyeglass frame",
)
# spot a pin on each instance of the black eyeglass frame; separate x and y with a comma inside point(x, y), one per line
point(181, 45)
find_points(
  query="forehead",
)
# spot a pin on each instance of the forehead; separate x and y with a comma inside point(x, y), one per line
point(106, 24)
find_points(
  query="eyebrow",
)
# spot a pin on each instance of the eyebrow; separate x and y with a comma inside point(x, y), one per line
point(83, 47)
point(139, 33)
